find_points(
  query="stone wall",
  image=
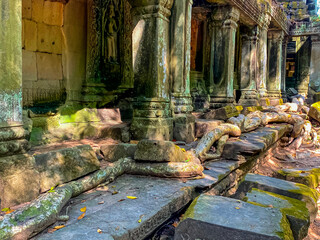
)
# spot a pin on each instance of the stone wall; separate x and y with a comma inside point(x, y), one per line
point(42, 44)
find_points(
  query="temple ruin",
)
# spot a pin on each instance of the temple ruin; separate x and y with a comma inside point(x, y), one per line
point(146, 73)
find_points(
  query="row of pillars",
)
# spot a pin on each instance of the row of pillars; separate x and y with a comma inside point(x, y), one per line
point(162, 65)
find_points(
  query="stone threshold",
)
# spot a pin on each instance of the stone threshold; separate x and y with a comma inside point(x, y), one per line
point(118, 217)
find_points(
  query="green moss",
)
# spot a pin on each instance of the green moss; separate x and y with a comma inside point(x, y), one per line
point(306, 191)
point(190, 211)
point(257, 204)
point(286, 232)
point(81, 116)
point(33, 211)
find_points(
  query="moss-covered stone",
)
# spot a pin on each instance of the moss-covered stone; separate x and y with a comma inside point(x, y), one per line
point(309, 177)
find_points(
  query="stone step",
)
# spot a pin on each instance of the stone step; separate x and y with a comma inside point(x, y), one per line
point(254, 143)
point(216, 217)
point(295, 210)
point(281, 187)
point(306, 176)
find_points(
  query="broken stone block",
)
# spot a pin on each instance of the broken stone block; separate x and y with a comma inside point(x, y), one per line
point(223, 113)
point(114, 152)
point(159, 151)
point(64, 165)
point(281, 187)
point(216, 217)
point(306, 176)
point(295, 210)
point(314, 111)
point(19, 180)
point(205, 125)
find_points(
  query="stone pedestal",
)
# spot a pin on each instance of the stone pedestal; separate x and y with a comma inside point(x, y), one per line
point(12, 133)
point(249, 69)
point(222, 33)
point(274, 66)
point(183, 120)
point(152, 118)
point(314, 66)
point(283, 69)
point(262, 59)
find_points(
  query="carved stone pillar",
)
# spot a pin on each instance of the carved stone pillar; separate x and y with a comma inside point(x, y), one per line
point(284, 71)
point(152, 116)
point(274, 66)
point(303, 61)
point(249, 69)
point(12, 133)
point(314, 66)
point(183, 120)
point(262, 58)
point(223, 29)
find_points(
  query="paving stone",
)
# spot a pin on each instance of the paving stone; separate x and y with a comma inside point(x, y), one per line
point(205, 125)
point(159, 151)
point(118, 216)
point(255, 142)
point(215, 216)
point(113, 152)
point(63, 165)
point(306, 176)
point(295, 210)
point(281, 187)
point(223, 113)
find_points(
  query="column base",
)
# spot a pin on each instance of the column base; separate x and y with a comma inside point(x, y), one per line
point(219, 102)
point(184, 127)
point(249, 98)
point(96, 95)
point(200, 102)
point(152, 128)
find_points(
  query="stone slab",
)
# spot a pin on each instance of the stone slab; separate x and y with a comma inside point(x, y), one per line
point(61, 166)
point(257, 222)
point(159, 151)
point(119, 216)
point(18, 184)
point(205, 125)
point(255, 142)
point(281, 187)
point(295, 210)
point(306, 176)
point(223, 113)
point(114, 152)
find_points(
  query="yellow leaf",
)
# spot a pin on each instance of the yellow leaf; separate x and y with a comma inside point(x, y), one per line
point(115, 192)
point(59, 227)
point(51, 190)
point(81, 216)
point(84, 209)
point(183, 150)
point(99, 230)
point(113, 186)
point(51, 230)
point(139, 221)
point(237, 208)
point(131, 197)
point(5, 210)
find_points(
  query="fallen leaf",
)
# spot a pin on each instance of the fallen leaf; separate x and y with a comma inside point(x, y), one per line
point(113, 186)
point(206, 168)
point(81, 216)
point(175, 224)
point(83, 201)
point(131, 197)
point(115, 192)
point(117, 228)
point(51, 230)
point(84, 209)
point(5, 210)
point(121, 200)
point(183, 150)
point(52, 190)
point(188, 160)
point(102, 202)
point(59, 227)
point(99, 230)
point(237, 208)
point(139, 221)
point(10, 211)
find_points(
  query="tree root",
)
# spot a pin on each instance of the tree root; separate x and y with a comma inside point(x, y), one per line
point(211, 137)
point(29, 220)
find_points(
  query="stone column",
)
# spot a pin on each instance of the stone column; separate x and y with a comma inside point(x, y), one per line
point(183, 120)
point(315, 67)
point(249, 69)
point(274, 66)
point(12, 133)
point(262, 59)
point(152, 116)
point(284, 71)
point(223, 34)
point(303, 61)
